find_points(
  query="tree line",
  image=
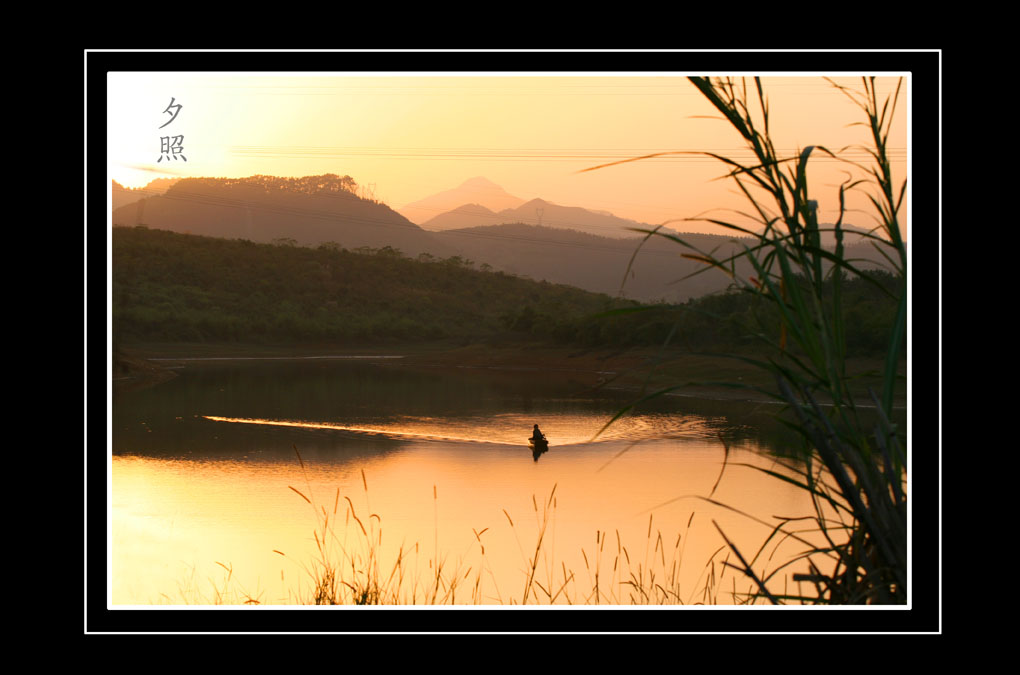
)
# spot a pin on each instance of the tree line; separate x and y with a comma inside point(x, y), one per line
point(171, 287)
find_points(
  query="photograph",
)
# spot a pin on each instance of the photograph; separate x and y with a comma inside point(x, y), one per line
point(510, 341)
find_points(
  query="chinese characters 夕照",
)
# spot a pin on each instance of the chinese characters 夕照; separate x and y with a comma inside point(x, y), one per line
point(171, 147)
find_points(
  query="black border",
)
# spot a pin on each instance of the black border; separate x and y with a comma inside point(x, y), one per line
point(925, 614)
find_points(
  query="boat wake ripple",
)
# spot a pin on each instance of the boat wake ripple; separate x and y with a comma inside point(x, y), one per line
point(509, 429)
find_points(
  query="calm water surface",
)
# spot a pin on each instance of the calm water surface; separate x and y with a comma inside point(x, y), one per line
point(224, 479)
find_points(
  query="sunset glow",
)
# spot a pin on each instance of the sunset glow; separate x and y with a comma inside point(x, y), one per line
point(403, 138)
point(515, 338)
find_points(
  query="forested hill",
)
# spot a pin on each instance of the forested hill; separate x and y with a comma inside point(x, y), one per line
point(123, 196)
point(307, 211)
point(174, 287)
point(171, 287)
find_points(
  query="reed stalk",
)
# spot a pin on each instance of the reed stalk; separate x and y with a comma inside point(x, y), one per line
point(852, 471)
point(347, 566)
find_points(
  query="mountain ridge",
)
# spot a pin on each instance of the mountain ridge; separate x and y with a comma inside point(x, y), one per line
point(540, 212)
point(325, 210)
point(477, 190)
point(310, 211)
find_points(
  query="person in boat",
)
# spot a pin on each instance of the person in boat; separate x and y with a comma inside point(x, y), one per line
point(537, 435)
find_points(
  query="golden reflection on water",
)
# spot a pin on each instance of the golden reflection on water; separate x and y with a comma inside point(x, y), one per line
point(507, 428)
point(227, 531)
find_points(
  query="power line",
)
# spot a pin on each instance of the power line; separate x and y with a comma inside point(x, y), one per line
point(525, 154)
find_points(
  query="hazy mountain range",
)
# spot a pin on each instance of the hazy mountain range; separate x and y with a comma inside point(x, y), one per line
point(575, 246)
point(595, 263)
point(478, 201)
point(480, 191)
point(538, 212)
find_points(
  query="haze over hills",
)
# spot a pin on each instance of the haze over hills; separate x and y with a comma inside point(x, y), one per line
point(476, 190)
point(318, 209)
point(479, 212)
point(468, 215)
point(307, 211)
point(123, 196)
point(660, 270)
point(315, 210)
point(479, 201)
point(538, 212)
point(595, 263)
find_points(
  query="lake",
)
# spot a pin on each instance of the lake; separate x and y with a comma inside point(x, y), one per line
point(251, 481)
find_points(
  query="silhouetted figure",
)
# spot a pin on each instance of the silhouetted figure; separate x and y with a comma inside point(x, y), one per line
point(538, 442)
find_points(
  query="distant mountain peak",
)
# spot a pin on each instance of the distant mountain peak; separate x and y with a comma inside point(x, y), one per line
point(478, 190)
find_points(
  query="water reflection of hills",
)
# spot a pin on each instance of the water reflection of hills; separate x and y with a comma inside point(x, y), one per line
point(362, 409)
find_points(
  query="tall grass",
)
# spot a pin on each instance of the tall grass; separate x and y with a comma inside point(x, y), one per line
point(354, 562)
point(351, 565)
point(855, 473)
point(348, 567)
point(226, 590)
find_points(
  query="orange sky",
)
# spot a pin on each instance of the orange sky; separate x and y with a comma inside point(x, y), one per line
point(407, 137)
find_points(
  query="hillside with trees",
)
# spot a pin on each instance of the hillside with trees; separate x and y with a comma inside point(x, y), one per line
point(123, 196)
point(306, 211)
point(174, 287)
point(171, 287)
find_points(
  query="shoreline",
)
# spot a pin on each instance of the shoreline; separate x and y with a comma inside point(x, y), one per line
point(701, 375)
